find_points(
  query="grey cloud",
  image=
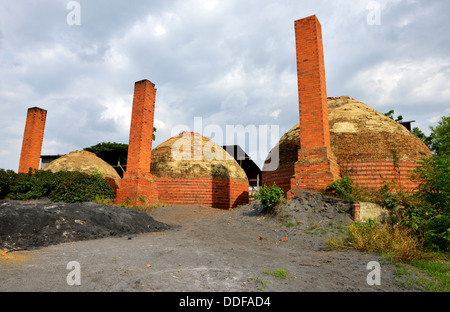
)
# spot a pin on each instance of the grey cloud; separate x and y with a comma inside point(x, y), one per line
point(102, 58)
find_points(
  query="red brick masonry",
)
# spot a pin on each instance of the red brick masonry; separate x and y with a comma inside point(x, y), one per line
point(202, 191)
point(316, 166)
point(138, 185)
point(372, 174)
point(33, 136)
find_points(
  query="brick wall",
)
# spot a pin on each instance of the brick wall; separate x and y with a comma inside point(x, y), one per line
point(374, 174)
point(137, 182)
point(281, 177)
point(315, 169)
point(32, 139)
point(208, 192)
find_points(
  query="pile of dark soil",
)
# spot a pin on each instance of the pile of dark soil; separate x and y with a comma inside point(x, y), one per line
point(314, 208)
point(309, 209)
point(34, 224)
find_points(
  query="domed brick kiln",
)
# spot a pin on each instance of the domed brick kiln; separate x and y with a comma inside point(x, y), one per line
point(370, 147)
point(191, 169)
point(87, 162)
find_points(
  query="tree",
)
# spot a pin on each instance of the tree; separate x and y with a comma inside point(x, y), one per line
point(440, 137)
point(431, 216)
point(108, 146)
point(390, 114)
point(103, 147)
point(426, 139)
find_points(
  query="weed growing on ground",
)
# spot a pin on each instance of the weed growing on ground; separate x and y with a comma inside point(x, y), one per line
point(397, 242)
point(279, 273)
point(260, 281)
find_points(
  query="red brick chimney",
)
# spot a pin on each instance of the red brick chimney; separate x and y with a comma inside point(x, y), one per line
point(33, 136)
point(316, 166)
point(138, 186)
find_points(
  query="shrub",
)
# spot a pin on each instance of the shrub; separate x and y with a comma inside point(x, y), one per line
point(397, 241)
point(270, 196)
point(60, 186)
point(387, 199)
point(30, 185)
point(431, 217)
point(81, 187)
point(7, 178)
point(343, 188)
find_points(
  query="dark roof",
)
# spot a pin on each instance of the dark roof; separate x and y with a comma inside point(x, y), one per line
point(250, 167)
point(407, 124)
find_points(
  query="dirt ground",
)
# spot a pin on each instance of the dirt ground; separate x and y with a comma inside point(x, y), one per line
point(208, 250)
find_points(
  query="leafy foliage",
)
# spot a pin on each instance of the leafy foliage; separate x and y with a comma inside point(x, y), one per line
point(432, 215)
point(390, 114)
point(343, 188)
point(58, 187)
point(426, 139)
point(104, 147)
point(440, 137)
point(270, 196)
point(81, 187)
point(7, 178)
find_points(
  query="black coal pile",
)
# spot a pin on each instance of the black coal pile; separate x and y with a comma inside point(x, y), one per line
point(310, 209)
point(313, 208)
point(34, 224)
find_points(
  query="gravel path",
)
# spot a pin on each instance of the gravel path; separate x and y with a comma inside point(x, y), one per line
point(206, 249)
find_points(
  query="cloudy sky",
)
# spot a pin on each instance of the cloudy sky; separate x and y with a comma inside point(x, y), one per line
point(226, 62)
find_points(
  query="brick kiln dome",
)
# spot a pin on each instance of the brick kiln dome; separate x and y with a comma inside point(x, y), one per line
point(82, 161)
point(192, 169)
point(363, 141)
point(87, 162)
point(192, 160)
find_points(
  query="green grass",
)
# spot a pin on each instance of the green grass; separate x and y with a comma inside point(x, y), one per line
point(429, 276)
point(260, 281)
point(438, 270)
point(291, 223)
point(279, 273)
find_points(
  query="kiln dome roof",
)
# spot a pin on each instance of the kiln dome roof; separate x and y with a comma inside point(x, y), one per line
point(358, 133)
point(82, 161)
point(191, 155)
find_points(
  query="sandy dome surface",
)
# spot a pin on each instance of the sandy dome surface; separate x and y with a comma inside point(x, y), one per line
point(358, 133)
point(83, 161)
point(191, 155)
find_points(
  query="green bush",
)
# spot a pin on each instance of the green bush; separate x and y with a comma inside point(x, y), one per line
point(431, 217)
point(7, 178)
point(343, 188)
point(29, 185)
point(270, 196)
point(59, 187)
point(387, 199)
point(81, 187)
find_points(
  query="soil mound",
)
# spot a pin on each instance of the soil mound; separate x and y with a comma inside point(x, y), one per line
point(34, 224)
point(314, 208)
point(310, 210)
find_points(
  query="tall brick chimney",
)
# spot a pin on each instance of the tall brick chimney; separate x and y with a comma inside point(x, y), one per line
point(316, 166)
point(138, 186)
point(32, 140)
